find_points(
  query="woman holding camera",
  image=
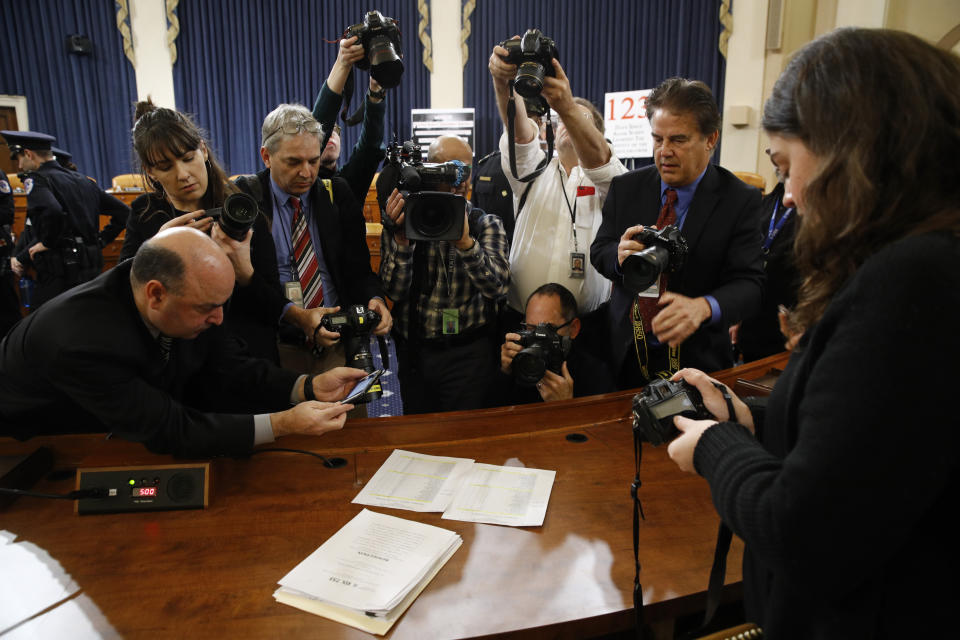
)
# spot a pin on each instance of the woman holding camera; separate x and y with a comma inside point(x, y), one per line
point(186, 179)
point(843, 486)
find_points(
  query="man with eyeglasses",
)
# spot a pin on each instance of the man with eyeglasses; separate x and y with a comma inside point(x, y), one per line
point(445, 297)
point(561, 211)
point(552, 304)
point(319, 236)
point(367, 154)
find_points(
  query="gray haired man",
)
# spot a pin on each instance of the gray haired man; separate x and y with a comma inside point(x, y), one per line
point(317, 225)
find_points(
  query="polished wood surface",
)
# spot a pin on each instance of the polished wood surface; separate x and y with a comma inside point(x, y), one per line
point(211, 573)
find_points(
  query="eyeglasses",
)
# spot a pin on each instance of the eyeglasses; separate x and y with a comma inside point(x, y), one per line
point(525, 326)
point(293, 127)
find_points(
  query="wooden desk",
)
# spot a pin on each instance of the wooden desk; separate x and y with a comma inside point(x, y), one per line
point(211, 573)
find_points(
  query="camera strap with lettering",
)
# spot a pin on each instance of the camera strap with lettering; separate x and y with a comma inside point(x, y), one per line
point(641, 349)
point(512, 139)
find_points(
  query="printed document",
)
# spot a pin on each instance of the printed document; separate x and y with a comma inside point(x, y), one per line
point(372, 563)
point(515, 496)
point(415, 482)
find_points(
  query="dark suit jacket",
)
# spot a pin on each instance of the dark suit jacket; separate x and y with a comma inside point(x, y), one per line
point(724, 260)
point(255, 309)
point(85, 362)
point(343, 235)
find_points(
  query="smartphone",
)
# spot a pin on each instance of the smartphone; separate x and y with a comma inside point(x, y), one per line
point(370, 383)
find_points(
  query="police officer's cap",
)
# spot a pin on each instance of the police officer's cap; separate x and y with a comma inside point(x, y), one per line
point(33, 140)
point(62, 154)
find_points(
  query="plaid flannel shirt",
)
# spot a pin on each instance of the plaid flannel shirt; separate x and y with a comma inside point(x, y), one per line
point(478, 274)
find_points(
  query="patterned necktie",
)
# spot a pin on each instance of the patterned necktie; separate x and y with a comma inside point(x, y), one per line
point(308, 268)
point(647, 306)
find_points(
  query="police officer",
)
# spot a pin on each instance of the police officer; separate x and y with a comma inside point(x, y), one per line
point(491, 191)
point(64, 157)
point(63, 217)
point(9, 305)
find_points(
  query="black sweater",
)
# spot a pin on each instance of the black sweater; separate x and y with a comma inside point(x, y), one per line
point(845, 506)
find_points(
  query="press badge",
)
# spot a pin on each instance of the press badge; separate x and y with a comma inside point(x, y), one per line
point(293, 292)
point(451, 321)
point(577, 264)
point(653, 291)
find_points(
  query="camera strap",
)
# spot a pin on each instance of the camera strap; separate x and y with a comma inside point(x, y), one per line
point(642, 631)
point(718, 570)
point(512, 139)
point(641, 348)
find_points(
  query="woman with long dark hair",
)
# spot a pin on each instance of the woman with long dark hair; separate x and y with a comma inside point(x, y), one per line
point(177, 162)
point(843, 487)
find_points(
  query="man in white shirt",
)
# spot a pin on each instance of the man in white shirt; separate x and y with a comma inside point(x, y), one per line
point(561, 212)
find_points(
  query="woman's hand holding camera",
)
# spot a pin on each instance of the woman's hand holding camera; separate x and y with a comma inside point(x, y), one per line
point(238, 251)
point(682, 448)
point(195, 219)
point(309, 322)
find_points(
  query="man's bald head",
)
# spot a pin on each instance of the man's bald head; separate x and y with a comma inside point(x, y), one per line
point(181, 279)
point(447, 148)
point(173, 253)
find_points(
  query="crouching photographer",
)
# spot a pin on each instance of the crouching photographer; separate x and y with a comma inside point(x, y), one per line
point(544, 360)
point(445, 288)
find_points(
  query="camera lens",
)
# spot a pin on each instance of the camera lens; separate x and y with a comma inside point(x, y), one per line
point(434, 215)
point(530, 365)
point(432, 219)
point(529, 80)
point(641, 269)
point(385, 65)
point(239, 214)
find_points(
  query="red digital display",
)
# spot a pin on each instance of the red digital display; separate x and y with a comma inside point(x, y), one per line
point(144, 492)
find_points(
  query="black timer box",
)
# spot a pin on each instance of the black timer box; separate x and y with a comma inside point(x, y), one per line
point(145, 488)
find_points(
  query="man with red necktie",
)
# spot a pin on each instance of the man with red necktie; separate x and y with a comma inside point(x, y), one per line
point(319, 234)
point(682, 320)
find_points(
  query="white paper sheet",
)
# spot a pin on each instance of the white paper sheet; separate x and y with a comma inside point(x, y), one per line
point(30, 581)
point(515, 496)
point(415, 482)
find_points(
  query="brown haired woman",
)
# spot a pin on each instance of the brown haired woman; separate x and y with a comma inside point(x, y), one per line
point(186, 179)
point(844, 487)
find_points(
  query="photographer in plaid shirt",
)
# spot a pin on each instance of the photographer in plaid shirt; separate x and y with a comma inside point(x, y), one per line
point(445, 301)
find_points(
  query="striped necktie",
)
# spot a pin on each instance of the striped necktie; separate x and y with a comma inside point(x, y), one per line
point(308, 268)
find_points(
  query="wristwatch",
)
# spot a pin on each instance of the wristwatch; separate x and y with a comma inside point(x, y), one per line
point(379, 95)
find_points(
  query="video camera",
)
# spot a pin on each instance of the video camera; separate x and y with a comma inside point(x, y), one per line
point(543, 348)
point(236, 216)
point(666, 250)
point(656, 405)
point(380, 38)
point(428, 215)
point(533, 54)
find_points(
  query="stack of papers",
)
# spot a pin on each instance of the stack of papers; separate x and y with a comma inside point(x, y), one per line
point(460, 488)
point(368, 573)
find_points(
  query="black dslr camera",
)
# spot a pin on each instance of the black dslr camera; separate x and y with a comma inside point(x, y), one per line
point(428, 215)
point(236, 216)
point(355, 325)
point(380, 38)
point(666, 250)
point(533, 55)
point(543, 348)
point(656, 405)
